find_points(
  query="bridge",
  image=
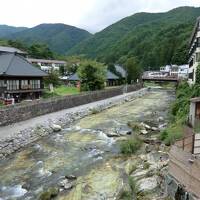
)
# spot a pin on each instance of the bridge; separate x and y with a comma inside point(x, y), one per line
point(160, 79)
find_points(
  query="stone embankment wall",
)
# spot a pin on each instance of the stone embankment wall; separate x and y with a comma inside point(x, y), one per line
point(32, 134)
point(16, 113)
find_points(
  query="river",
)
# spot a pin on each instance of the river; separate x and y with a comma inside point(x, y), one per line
point(82, 149)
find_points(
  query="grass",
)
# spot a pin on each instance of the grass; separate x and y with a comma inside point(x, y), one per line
point(1, 104)
point(131, 146)
point(172, 133)
point(128, 195)
point(94, 111)
point(61, 91)
point(134, 126)
point(146, 165)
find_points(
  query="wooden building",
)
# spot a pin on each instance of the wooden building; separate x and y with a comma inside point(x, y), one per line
point(111, 79)
point(19, 79)
point(194, 116)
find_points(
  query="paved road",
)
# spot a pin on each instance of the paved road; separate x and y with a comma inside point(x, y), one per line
point(10, 130)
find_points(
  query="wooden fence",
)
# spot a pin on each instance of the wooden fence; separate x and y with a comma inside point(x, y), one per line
point(184, 164)
point(185, 167)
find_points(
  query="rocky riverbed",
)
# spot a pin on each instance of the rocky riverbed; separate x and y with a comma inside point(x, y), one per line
point(83, 160)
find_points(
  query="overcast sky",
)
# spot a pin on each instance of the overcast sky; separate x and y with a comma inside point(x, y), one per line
point(92, 15)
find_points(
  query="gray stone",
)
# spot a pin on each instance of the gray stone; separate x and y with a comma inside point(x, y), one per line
point(144, 132)
point(56, 128)
point(148, 184)
point(154, 129)
point(112, 134)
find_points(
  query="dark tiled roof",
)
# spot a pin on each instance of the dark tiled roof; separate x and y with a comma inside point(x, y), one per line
point(16, 65)
point(109, 76)
point(74, 77)
point(11, 50)
point(121, 70)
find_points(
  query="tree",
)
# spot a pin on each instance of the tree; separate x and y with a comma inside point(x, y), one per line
point(133, 70)
point(52, 78)
point(92, 75)
point(40, 51)
point(198, 75)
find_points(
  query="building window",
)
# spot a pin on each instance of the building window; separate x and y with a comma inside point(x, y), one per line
point(12, 84)
point(2, 83)
point(24, 84)
point(197, 57)
point(35, 84)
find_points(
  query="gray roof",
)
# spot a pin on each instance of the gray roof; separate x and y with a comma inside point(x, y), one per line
point(109, 76)
point(46, 61)
point(11, 50)
point(74, 77)
point(121, 70)
point(15, 65)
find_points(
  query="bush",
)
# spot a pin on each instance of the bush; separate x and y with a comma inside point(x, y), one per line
point(134, 126)
point(180, 108)
point(130, 146)
point(171, 134)
point(128, 195)
point(133, 185)
point(52, 78)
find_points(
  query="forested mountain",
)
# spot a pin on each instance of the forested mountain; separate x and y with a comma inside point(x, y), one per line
point(59, 37)
point(7, 30)
point(154, 39)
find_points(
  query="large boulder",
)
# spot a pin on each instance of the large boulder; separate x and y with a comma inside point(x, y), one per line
point(56, 127)
point(148, 184)
point(144, 132)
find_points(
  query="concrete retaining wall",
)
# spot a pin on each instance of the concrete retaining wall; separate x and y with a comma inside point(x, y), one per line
point(21, 112)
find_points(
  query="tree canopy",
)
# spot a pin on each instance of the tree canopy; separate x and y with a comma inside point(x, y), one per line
point(133, 70)
point(92, 75)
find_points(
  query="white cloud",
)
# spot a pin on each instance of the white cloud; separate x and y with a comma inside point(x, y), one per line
point(92, 15)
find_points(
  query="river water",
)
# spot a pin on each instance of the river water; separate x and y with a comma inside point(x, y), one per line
point(82, 149)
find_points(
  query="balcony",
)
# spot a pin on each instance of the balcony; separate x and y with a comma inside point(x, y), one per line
point(22, 89)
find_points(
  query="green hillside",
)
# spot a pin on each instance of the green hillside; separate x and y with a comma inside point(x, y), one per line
point(59, 37)
point(154, 39)
point(6, 30)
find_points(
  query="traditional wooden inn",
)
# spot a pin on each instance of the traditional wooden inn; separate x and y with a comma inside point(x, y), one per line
point(6, 49)
point(19, 79)
point(111, 79)
point(194, 53)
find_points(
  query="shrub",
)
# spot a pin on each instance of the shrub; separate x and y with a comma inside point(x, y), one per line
point(146, 165)
point(135, 126)
point(49, 194)
point(173, 133)
point(94, 111)
point(133, 185)
point(130, 146)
